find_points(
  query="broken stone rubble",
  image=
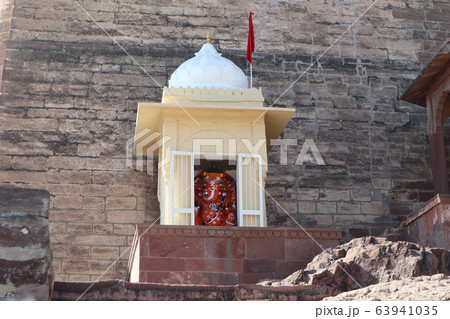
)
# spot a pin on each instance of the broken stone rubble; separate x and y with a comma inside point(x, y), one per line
point(367, 261)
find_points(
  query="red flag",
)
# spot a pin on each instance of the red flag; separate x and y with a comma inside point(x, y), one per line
point(251, 39)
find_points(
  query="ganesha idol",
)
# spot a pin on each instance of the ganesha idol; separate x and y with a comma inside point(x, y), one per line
point(215, 199)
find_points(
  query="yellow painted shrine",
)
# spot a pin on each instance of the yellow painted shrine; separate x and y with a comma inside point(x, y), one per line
point(209, 116)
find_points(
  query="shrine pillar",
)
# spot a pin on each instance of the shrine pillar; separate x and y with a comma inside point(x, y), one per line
point(439, 163)
point(431, 90)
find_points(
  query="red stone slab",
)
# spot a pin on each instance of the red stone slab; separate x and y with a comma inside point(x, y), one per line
point(230, 247)
point(161, 264)
point(430, 224)
point(293, 251)
point(225, 265)
point(259, 266)
point(175, 246)
point(205, 255)
point(266, 248)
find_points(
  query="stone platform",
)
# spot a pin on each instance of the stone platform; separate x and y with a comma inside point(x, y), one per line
point(117, 290)
point(429, 225)
point(204, 255)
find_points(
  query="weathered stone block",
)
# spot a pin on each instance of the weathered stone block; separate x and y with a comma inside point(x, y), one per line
point(78, 252)
point(68, 202)
point(105, 252)
point(349, 208)
point(26, 257)
point(325, 207)
point(125, 216)
point(121, 203)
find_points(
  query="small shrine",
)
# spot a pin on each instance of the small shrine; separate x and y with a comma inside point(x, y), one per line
point(216, 132)
point(214, 136)
point(430, 224)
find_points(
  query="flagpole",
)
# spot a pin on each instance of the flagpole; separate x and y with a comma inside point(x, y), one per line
point(251, 76)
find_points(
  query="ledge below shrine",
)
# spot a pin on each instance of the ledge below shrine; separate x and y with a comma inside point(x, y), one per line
point(205, 255)
point(428, 226)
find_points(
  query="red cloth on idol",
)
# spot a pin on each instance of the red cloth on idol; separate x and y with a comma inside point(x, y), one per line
point(215, 199)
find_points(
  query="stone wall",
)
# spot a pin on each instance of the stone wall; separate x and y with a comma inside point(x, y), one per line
point(69, 98)
point(6, 8)
point(25, 254)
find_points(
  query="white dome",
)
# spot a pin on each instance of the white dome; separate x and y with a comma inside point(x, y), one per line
point(208, 70)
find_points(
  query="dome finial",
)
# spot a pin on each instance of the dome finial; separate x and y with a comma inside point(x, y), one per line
point(208, 69)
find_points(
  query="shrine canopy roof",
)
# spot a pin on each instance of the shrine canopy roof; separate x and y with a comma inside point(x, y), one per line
point(151, 115)
point(417, 92)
